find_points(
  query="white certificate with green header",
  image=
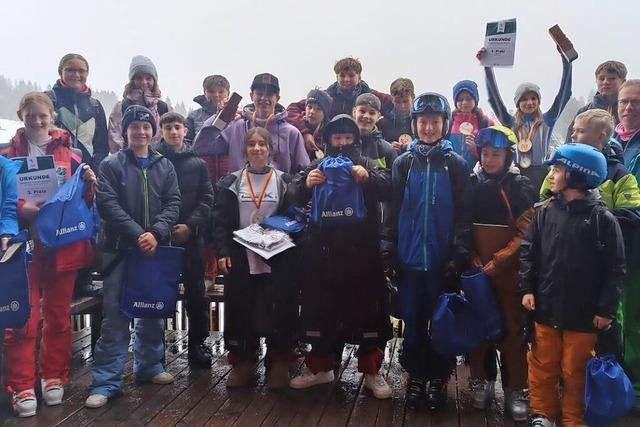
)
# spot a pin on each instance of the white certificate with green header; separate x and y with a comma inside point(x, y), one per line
point(500, 43)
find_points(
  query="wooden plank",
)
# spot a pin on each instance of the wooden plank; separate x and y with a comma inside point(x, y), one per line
point(80, 416)
point(197, 390)
point(216, 396)
point(366, 407)
point(338, 408)
point(392, 412)
point(294, 407)
point(83, 304)
point(184, 380)
point(237, 402)
point(469, 416)
point(135, 394)
point(448, 417)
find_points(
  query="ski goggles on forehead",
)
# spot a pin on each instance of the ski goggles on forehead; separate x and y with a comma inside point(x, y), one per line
point(488, 138)
point(431, 104)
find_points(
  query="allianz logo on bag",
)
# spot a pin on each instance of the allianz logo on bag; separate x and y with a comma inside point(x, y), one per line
point(141, 304)
point(66, 230)
point(13, 306)
point(348, 211)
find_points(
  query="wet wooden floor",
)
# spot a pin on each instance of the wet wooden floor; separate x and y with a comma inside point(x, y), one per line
point(199, 397)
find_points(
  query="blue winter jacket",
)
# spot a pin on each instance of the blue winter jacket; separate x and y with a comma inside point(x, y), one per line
point(8, 197)
point(431, 217)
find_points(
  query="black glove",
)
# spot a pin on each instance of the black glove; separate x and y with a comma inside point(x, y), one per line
point(526, 328)
point(452, 272)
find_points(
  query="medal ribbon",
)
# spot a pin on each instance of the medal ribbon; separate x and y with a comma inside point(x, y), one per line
point(257, 201)
point(532, 132)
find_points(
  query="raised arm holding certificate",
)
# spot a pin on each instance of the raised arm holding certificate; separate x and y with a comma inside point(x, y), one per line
point(500, 43)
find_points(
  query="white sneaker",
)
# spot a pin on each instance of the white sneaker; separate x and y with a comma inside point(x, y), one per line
point(52, 391)
point(96, 401)
point(309, 379)
point(163, 378)
point(483, 392)
point(377, 384)
point(538, 421)
point(25, 403)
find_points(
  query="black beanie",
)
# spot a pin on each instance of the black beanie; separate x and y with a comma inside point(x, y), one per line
point(137, 113)
point(322, 98)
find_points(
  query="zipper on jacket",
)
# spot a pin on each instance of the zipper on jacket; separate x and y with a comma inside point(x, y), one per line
point(145, 191)
point(426, 216)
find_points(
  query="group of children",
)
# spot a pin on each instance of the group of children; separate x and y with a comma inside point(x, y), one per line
point(443, 192)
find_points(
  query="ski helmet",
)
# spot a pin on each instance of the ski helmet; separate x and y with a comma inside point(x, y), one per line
point(431, 103)
point(587, 165)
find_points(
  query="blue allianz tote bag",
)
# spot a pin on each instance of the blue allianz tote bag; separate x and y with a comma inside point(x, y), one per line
point(150, 288)
point(454, 327)
point(15, 306)
point(339, 200)
point(478, 291)
point(608, 393)
point(66, 218)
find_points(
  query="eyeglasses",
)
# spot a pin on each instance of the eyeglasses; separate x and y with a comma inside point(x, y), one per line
point(80, 71)
point(635, 103)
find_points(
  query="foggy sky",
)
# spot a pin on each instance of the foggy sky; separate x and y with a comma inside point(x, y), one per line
point(432, 42)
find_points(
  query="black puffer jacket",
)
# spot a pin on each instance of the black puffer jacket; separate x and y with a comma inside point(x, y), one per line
point(572, 260)
point(195, 186)
point(196, 118)
point(132, 200)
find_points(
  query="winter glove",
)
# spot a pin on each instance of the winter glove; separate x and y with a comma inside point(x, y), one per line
point(609, 341)
point(526, 328)
point(452, 272)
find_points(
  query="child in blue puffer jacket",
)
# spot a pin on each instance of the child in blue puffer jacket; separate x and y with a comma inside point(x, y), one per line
point(432, 224)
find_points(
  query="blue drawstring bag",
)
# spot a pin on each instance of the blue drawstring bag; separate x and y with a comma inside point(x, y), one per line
point(608, 393)
point(478, 291)
point(454, 326)
point(66, 218)
point(339, 200)
point(15, 306)
point(150, 288)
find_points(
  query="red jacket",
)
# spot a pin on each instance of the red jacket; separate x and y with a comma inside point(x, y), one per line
point(77, 255)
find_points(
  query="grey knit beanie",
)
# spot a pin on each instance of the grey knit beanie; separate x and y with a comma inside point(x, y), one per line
point(142, 65)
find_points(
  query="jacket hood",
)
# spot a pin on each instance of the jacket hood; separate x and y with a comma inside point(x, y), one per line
point(342, 123)
point(375, 134)
point(336, 91)
point(206, 105)
point(154, 155)
point(58, 137)
point(164, 149)
point(60, 88)
point(280, 112)
point(444, 145)
point(591, 199)
point(613, 152)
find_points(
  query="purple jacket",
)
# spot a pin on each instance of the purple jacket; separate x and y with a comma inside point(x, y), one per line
point(289, 154)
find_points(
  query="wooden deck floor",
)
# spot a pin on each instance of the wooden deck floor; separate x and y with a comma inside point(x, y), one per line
point(199, 397)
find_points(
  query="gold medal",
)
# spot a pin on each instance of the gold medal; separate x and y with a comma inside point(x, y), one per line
point(525, 161)
point(466, 128)
point(405, 139)
point(524, 146)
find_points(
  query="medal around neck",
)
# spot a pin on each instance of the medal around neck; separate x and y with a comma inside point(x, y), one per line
point(466, 128)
